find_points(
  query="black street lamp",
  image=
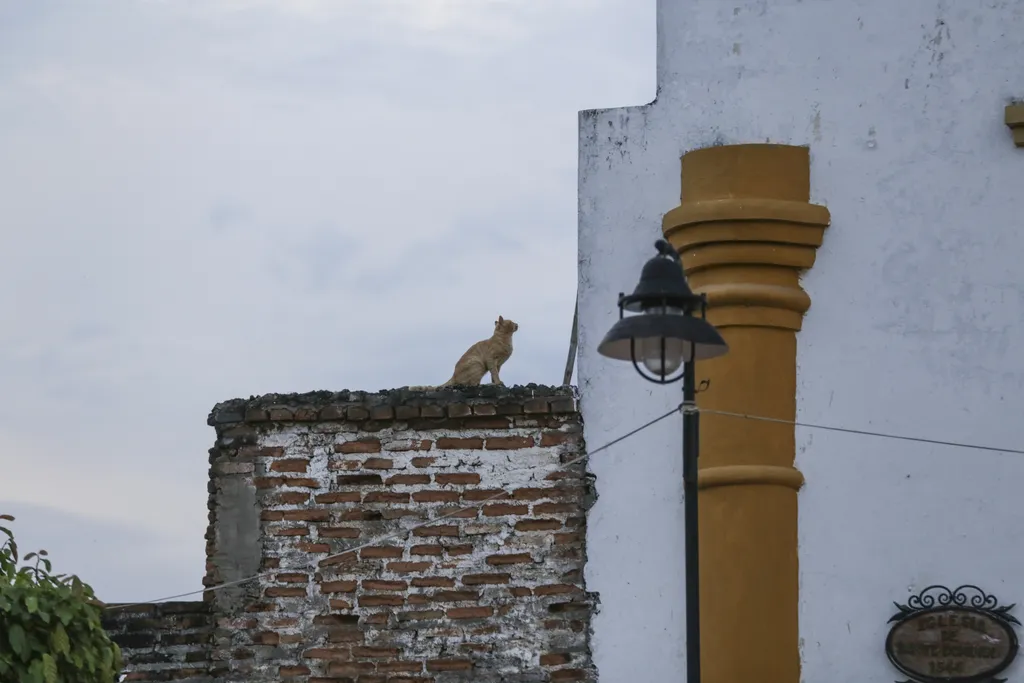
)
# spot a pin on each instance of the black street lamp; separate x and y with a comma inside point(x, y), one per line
point(664, 336)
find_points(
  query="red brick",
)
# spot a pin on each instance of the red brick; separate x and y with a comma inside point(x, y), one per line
point(427, 550)
point(375, 652)
point(436, 496)
point(452, 443)
point(555, 659)
point(275, 482)
point(336, 603)
point(436, 531)
point(289, 465)
point(433, 582)
point(381, 551)
point(291, 577)
point(568, 675)
point(260, 452)
point(380, 600)
point(410, 445)
point(470, 612)
point(520, 591)
point(456, 596)
point(408, 480)
point(338, 587)
point(505, 509)
point(539, 493)
point(555, 438)
point(406, 667)
point(337, 655)
point(313, 547)
point(289, 498)
point(459, 549)
point(306, 515)
point(382, 413)
point(378, 585)
point(538, 524)
point(517, 558)
point(535, 405)
point(420, 615)
point(565, 539)
point(457, 478)
point(293, 671)
point(386, 497)
point(423, 462)
point(449, 665)
point(291, 531)
point(341, 497)
point(359, 480)
point(459, 410)
point(339, 532)
point(356, 413)
point(555, 589)
point(284, 592)
point(508, 443)
point(563, 405)
point(360, 446)
point(407, 567)
point(378, 463)
point(479, 579)
point(477, 495)
point(553, 508)
point(343, 558)
point(272, 515)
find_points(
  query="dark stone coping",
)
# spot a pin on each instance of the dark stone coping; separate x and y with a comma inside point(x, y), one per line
point(322, 406)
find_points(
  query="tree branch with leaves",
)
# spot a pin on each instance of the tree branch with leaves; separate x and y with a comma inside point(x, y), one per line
point(50, 625)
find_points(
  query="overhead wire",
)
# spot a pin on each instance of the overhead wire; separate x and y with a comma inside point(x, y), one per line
point(400, 532)
point(503, 493)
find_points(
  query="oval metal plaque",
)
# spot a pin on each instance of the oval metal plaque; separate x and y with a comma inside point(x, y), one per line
point(946, 636)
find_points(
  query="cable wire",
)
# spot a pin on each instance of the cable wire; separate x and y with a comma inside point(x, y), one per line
point(399, 532)
point(637, 430)
point(862, 432)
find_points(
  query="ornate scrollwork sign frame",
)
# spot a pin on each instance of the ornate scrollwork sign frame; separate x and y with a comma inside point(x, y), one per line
point(961, 635)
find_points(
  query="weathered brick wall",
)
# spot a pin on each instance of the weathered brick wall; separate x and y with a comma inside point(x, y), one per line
point(493, 593)
point(165, 642)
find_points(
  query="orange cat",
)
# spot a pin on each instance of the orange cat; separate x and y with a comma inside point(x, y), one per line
point(485, 356)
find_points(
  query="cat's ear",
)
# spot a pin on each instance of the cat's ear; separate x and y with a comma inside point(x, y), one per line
point(500, 320)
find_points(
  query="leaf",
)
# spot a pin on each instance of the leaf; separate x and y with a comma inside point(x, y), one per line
point(49, 669)
point(31, 604)
point(16, 637)
point(59, 640)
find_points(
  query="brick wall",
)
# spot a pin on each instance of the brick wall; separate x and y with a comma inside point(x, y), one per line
point(165, 642)
point(493, 593)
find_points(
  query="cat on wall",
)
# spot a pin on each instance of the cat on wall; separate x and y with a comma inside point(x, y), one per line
point(487, 355)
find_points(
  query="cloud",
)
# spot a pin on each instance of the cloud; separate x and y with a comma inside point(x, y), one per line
point(204, 199)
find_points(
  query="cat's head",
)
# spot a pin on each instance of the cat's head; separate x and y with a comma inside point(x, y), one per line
point(505, 326)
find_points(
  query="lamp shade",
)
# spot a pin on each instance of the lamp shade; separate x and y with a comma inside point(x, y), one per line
point(630, 334)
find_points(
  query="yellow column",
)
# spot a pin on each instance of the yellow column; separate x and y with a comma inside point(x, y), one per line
point(745, 229)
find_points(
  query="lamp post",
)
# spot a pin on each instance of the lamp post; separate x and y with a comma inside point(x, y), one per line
point(664, 336)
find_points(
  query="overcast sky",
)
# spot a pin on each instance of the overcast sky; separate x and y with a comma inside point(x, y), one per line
point(205, 199)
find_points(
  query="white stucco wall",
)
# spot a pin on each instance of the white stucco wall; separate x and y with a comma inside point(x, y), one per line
point(916, 325)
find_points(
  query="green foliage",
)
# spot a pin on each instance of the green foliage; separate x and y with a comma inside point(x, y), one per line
point(50, 628)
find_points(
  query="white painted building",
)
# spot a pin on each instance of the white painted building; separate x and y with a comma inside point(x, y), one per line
point(916, 322)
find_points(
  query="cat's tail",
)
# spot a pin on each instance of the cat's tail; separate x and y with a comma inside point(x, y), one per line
point(421, 387)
